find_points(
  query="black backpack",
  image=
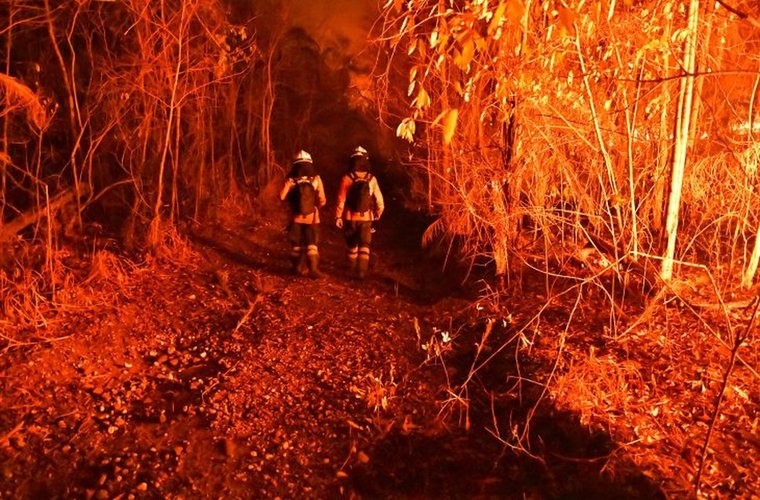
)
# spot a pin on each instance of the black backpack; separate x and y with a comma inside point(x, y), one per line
point(303, 197)
point(358, 198)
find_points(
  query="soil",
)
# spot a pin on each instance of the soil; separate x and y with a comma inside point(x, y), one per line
point(211, 371)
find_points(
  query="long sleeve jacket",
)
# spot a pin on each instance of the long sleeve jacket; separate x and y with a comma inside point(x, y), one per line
point(319, 188)
point(341, 210)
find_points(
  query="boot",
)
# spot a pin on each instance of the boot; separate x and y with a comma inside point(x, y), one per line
point(352, 265)
point(295, 264)
point(313, 261)
point(302, 266)
point(361, 269)
point(298, 264)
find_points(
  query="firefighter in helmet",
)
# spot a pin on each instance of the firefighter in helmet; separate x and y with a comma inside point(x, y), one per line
point(305, 193)
point(360, 202)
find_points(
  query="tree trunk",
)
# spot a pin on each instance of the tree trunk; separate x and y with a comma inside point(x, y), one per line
point(683, 117)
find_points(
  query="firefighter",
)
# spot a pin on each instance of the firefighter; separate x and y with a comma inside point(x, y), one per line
point(305, 193)
point(360, 202)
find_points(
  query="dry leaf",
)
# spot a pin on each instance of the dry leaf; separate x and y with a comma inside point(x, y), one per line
point(406, 129)
point(450, 125)
point(497, 17)
point(422, 100)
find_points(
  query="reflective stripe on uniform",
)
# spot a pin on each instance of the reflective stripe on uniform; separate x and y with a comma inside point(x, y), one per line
point(312, 250)
point(364, 252)
point(295, 251)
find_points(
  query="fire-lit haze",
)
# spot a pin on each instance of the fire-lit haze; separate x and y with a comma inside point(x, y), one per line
point(339, 23)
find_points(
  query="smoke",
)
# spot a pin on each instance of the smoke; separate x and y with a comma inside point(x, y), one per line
point(342, 25)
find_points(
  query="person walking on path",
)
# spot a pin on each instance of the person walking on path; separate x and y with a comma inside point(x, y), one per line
point(360, 202)
point(305, 193)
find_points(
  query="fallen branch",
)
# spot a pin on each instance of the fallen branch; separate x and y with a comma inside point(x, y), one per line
point(30, 217)
point(247, 315)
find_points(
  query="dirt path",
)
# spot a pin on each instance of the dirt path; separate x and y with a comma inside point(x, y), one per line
point(217, 374)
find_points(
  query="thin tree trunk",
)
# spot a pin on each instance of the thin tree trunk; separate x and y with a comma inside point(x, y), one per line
point(663, 152)
point(266, 116)
point(70, 85)
point(4, 149)
point(595, 117)
point(250, 106)
point(602, 146)
point(630, 125)
point(234, 93)
point(630, 120)
point(167, 137)
point(683, 115)
point(204, 130)
point(175, 166)
point(700, 80)
point(749, 273)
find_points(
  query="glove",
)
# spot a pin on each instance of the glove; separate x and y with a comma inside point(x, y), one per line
point(339, 223)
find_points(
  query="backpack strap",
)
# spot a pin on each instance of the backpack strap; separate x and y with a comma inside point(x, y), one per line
point(354, 176)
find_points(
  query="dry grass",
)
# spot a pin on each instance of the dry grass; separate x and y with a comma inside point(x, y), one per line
point(167, 243)
point(107, 267)
point(31, 300)
point(25, 301)
point(721, 208)
point(599, 388)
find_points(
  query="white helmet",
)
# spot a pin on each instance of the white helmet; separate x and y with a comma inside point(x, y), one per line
point(302, 157)
point(359, 151)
